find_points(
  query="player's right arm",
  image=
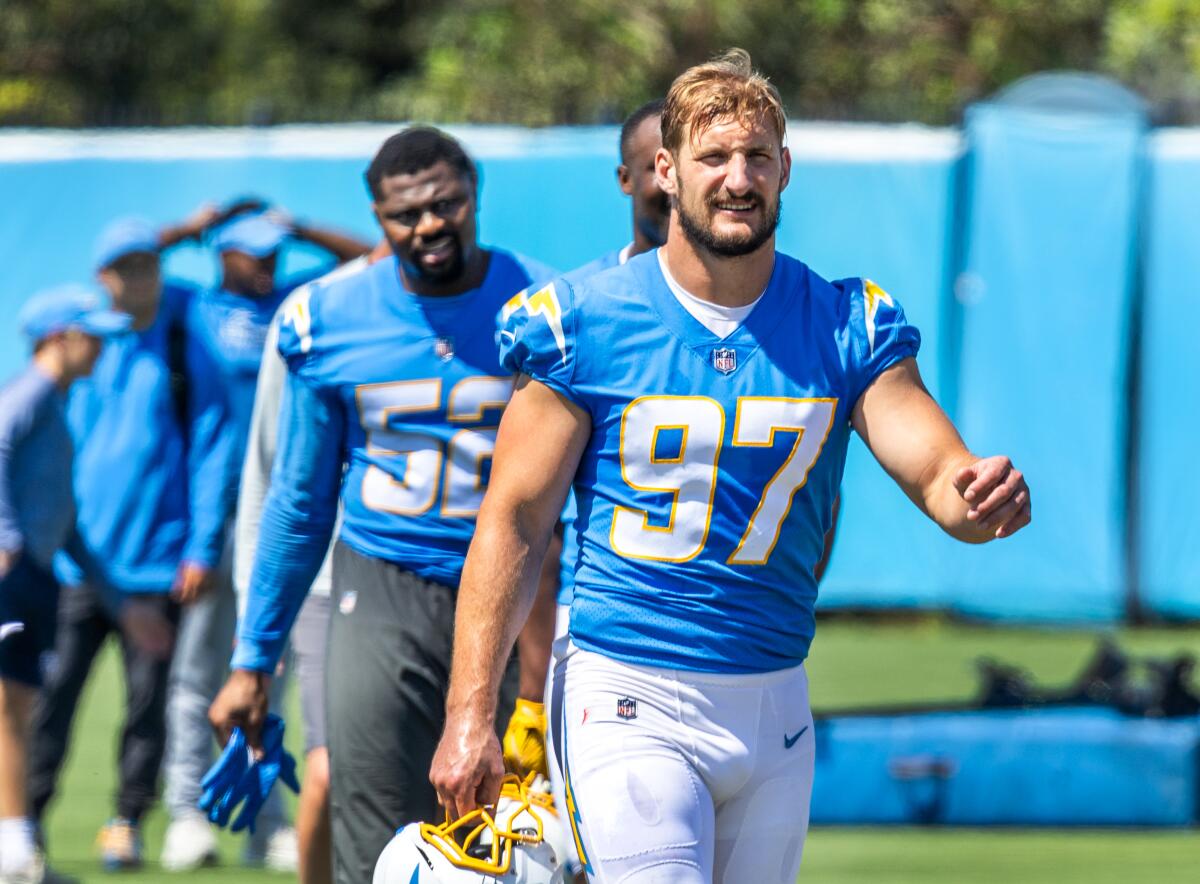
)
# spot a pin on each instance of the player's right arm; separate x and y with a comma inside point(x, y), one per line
point(541, 438)
point(297, 522)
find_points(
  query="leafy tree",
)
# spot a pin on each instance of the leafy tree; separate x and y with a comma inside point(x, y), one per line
point(537, 62)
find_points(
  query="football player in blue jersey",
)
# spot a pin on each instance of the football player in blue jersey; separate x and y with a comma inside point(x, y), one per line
point(700, 399)
point(392, 398)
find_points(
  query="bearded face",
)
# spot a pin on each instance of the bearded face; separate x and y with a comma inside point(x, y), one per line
point(728, 180)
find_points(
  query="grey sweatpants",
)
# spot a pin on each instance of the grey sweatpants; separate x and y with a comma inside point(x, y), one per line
point(388, 671)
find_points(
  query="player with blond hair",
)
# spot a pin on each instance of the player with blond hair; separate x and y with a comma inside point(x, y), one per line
point(700, 399)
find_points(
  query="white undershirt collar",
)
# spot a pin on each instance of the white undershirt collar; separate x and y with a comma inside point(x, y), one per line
point(721, 321)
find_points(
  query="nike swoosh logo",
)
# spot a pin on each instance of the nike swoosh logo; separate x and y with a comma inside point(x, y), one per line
point(505, 333)
point(7, 629)
point(789, 742)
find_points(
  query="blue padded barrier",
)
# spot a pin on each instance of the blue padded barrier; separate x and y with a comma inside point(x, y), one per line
point(1168, 530)
point(1047, 292)
point(1070, 767)
point(878, 202)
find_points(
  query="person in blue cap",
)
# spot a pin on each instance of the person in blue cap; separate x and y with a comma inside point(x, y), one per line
point(67, 327)
point(231, 321)
point(149, 458)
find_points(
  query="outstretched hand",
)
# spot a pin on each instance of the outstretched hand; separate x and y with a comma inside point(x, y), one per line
point(996, 495)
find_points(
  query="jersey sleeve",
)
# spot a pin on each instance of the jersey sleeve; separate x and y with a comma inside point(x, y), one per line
point(537, 337)
point(296, 328)
point(297, 520)
point(879, 331)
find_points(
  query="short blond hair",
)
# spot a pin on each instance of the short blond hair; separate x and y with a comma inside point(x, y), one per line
point(726, 88)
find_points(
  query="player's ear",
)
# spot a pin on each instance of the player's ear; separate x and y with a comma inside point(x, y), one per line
point(625, 180)
point(785, 172)
point(664, 171)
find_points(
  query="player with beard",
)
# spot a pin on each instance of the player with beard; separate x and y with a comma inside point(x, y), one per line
point(700, 400)
point(392, 397)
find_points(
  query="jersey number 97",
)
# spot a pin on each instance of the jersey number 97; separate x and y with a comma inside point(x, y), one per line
point(691, 429)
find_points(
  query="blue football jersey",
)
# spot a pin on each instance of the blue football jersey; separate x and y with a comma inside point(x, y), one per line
point(705, 490)
point(420, 384)
point(396, 398)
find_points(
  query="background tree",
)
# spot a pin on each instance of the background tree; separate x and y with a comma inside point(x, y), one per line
point(538, 62)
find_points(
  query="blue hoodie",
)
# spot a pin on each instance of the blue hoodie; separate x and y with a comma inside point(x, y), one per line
point(151, 462)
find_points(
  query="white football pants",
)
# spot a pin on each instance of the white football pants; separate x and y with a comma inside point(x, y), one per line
point(684, 777)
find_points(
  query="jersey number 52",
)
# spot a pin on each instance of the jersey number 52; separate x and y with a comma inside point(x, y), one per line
point(688, 472)
point(454, 468)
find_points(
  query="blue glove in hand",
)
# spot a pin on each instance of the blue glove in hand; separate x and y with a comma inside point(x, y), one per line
point(237, 778)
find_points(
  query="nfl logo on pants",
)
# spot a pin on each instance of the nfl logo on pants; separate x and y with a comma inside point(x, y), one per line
point(626, 708)
point(724, 360)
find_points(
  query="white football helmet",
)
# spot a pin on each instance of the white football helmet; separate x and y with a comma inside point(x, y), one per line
point(520, 841)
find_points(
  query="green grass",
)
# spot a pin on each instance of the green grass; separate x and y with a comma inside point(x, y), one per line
point(853, 663)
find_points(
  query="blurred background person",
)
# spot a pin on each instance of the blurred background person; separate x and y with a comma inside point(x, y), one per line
point(149, 462)
point(231, 321)
point(67, 327)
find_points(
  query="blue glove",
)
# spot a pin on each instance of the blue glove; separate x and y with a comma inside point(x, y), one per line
point(237, 778)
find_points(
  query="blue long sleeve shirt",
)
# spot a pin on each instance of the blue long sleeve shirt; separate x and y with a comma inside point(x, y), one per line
point(151, 463)
point(37, 507)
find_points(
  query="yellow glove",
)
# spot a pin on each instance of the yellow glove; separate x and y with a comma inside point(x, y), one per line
point(525, 739)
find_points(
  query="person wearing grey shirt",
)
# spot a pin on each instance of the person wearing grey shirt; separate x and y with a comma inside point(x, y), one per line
point(67, 326)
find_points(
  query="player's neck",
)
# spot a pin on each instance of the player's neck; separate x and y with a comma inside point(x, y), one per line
point(729, 282)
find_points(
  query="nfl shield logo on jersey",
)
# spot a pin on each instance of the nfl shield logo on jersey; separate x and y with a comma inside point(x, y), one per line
point(724, 360)
point(443, 348)
point(627, 708)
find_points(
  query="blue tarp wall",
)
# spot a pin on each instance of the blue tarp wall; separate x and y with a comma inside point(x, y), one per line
point(1013, 245)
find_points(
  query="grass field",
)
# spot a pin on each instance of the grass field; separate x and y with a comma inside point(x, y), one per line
point(852, 664)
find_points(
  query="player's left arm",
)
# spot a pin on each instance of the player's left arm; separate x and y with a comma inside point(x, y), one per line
point(975, 499)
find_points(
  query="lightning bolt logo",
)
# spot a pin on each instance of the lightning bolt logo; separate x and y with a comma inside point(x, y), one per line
point(299, 317)
point(873, 295)
point(542, 303)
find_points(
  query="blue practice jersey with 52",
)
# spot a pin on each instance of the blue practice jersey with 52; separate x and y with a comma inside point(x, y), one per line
point(421, 386)
point(394, 399)
point(705, 491)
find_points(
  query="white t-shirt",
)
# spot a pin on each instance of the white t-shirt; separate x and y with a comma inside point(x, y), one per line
point(721, 321)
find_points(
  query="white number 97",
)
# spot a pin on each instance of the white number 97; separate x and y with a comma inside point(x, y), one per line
point(686, 469)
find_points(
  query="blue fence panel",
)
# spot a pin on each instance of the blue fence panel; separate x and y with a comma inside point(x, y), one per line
point(1168, 530)
point(550, 194)
point(1038, 370)
point(1049, 262)
point(879, 202)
